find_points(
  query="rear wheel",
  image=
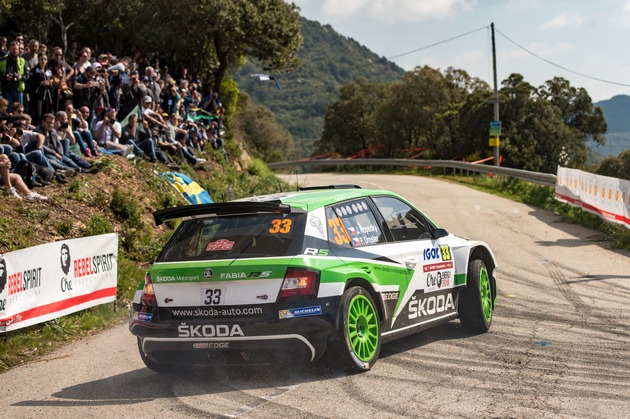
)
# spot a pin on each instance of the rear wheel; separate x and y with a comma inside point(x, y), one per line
point(475, 301)
point(359, 338)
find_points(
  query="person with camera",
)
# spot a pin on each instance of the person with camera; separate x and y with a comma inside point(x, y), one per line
point(132, 93)
point(107, 133)
point(68, 141)
point(13, 76)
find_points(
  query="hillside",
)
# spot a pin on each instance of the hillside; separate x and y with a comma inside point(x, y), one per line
point(617, 113)
point(329, 60)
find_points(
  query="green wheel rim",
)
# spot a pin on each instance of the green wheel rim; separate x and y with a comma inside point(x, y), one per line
point(486, 297)
point(362, 328)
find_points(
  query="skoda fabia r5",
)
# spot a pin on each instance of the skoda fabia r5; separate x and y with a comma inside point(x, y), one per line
point(334, 268)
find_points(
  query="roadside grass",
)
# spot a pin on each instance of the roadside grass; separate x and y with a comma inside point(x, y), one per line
point(542, 196)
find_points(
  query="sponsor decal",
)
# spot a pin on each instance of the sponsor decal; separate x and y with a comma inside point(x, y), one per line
point(145, 317)
point(439, 279)
point(27, 280)
point(263, 297)
point(428, 306)
point(211, 345)
point(93, 265)
point(440, 253)
point(300, 312)
point(390, 295)
point(170, 278)
point(217, 312)
point(317, 223)
point(209, 330)
point(221, 244)
point(208, 274)
point(263, 274)
point(437, 266)
point(311, 251)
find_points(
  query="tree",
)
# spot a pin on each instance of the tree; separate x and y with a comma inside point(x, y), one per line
point(351, 123)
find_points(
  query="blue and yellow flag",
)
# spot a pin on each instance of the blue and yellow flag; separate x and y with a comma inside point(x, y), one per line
point(188, 188)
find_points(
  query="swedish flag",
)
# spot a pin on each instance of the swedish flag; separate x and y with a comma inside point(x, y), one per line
point(188, 188)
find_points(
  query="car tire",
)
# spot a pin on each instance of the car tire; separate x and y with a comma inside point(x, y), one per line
point(159, 367)
point(359, 338)
point(475, 301)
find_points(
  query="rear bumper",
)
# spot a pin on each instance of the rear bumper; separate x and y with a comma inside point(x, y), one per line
point(206, 340)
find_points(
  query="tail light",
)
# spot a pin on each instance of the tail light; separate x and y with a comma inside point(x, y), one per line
point(148, 295)
point(299, 282)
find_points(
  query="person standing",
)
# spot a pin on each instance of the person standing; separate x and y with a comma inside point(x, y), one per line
point(12, 79)
point(40, 85)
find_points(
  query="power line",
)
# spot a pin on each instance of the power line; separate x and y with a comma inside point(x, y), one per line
point(518, 45)
point(558, 65)
point(437, 43)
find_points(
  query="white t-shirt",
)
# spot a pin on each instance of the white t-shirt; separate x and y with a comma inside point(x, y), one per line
point(107, 133)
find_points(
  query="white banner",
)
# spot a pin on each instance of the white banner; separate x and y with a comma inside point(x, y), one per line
point(602, 195)
point(45, 282)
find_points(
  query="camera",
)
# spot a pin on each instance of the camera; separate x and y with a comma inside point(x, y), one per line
point(64, 125)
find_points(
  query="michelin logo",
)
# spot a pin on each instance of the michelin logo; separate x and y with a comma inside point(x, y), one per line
point(300, 312)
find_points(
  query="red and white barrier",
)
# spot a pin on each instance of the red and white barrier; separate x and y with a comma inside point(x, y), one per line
point(602, 195)
point(45, 282)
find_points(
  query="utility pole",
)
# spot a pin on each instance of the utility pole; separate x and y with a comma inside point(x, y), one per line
point(495, 125)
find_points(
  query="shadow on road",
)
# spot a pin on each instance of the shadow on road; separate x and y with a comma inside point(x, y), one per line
point(144, 385)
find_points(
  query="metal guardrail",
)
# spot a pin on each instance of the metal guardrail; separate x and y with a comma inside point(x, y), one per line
point(534, 177)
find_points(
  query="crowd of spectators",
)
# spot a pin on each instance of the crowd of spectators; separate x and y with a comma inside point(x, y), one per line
point(60, 111)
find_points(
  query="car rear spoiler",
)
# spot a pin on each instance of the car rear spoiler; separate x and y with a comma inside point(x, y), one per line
point(222, 208)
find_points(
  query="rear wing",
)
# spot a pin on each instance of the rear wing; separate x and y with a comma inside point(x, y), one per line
point(223, 208)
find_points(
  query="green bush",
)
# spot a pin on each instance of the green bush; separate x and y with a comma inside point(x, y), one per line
point(97, 225)
point(125, 206)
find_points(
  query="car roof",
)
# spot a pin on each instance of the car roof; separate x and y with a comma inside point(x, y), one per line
point(283, 202)
point(316, 197)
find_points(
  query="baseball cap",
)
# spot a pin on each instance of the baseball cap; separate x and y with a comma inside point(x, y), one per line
point(147, 99)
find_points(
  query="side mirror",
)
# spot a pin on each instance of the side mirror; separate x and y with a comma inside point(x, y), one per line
point(439, 233)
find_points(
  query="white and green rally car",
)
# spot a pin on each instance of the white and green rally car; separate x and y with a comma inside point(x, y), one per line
point(326, 268)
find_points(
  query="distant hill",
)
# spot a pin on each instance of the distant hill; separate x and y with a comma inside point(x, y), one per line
point(329, 60)
point(617, 114)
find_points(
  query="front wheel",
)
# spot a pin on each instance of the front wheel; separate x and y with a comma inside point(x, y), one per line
point(359, 337)
point(475, 301)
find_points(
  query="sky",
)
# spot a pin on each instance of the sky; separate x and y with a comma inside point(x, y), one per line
point(584, 41)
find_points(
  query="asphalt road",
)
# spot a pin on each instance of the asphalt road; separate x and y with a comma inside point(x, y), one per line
point(558, 348)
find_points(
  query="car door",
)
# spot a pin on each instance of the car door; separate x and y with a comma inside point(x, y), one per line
point(429, 295)
point(356, 236)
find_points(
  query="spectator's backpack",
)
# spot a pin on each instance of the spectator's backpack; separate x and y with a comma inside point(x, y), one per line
point(26, 170)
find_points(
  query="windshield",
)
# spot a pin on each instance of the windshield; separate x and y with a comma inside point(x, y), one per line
point(235, 236)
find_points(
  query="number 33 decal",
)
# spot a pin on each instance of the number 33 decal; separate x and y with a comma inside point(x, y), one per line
point(280, 226)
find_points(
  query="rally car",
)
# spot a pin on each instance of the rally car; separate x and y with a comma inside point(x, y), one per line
point(296, 274)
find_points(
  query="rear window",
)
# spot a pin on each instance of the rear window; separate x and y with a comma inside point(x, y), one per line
point(236, 236)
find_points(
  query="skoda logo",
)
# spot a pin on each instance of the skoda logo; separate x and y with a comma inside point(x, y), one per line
point(208, 273)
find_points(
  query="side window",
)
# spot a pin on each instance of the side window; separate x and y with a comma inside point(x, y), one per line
point(352, 224)
point(404, 222)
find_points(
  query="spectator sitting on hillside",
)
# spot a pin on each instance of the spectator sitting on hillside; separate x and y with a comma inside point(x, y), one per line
point(53, 149)
point(13, 144)
point(68, 141)
point(10, 179)
point(139, 138)
point(107, 133)
point(171, 133)
point(81, 131)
